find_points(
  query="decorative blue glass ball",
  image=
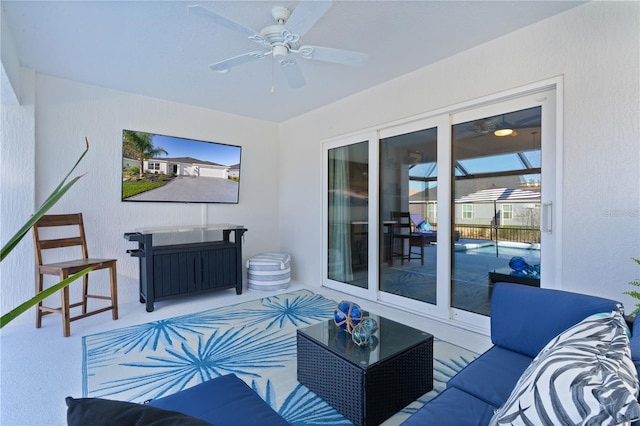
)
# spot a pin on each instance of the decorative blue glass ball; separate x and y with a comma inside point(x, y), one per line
point(518, 263)
point(362, 334)
point(532, 271)
point(369, 324)
point(347, 315)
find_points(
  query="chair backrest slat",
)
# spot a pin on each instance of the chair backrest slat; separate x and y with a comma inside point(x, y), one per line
point(60, 242)
point(60, 220)
point(402, 222)
point(76, 235)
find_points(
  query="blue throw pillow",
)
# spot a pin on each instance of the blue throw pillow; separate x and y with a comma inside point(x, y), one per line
point(425, 226)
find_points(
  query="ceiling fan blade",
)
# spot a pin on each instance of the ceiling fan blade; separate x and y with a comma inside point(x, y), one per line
point(224, 66)
point(223, 21)
point(329, 54)
point(292, 73)
point(305, 15)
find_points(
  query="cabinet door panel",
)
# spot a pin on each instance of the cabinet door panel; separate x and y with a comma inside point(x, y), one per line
point(161, 267)
point(218, 268)
point(174, 273)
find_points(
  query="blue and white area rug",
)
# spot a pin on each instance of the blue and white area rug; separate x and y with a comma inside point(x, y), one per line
point(255, 340)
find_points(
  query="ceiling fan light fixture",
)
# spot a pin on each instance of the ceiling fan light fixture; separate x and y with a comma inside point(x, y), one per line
point(503, 129)
point(279, 50)
point(503, 132)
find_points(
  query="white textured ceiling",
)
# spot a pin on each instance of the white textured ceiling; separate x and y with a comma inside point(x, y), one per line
point(159, 49)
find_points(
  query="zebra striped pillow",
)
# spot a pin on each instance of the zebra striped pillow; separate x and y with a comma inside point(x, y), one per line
point(583, 376)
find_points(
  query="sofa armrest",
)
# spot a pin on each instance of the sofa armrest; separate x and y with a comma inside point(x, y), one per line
point(524, 319)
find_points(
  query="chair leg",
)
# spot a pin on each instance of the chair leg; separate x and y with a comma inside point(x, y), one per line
point(85, 292)
point(65, 310)
point(114, 291)
point(39, 284)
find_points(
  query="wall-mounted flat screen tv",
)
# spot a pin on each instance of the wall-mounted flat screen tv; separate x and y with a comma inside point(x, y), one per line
point(163, 168)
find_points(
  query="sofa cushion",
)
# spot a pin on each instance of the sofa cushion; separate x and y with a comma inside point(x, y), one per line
point(452, 407)
point(524, 319)
point(106, 412)
point(583, 376)
point(225, 400)
point(492, 376)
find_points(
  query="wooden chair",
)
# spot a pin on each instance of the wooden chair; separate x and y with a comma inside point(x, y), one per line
point(402, 233)
point(72, 226)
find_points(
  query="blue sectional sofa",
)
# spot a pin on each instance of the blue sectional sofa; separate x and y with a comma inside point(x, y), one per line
point(523, 321)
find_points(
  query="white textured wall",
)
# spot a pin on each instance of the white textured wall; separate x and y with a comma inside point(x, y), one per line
point(10, 68)
point(17, 183)
point(65, 113)
point(595, 48)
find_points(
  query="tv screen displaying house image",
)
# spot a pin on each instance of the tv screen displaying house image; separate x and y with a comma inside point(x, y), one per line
point(160, 168)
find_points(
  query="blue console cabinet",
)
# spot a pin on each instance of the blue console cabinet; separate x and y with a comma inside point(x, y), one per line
point(178, 261)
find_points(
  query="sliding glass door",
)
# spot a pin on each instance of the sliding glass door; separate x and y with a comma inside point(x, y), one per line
point(503, 176)
point(408, 174)
point(347, 214)
point(430, 213)
point(497, 183)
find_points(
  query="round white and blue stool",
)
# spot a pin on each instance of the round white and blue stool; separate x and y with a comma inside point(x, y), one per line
point(269, 271)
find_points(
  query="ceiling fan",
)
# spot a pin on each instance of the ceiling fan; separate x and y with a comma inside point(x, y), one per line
point(283, 39)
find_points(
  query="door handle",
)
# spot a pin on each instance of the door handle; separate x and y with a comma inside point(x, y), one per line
point(547, 217)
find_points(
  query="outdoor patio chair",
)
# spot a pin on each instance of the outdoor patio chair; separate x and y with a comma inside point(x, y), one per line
point(402, 236)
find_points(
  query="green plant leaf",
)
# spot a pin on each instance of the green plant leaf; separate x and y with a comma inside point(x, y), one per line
point(14, 313)
point(633, 294)
point(57, 193)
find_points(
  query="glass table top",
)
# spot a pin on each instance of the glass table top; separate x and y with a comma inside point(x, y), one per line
point(391, 338)
point(188, 228)
point(188, 234)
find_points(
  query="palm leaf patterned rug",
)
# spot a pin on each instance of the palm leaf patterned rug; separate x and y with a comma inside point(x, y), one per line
point(255, 340)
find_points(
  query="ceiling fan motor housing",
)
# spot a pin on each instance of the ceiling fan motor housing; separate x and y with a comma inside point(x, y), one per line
point(277, 37)
point(281, 40)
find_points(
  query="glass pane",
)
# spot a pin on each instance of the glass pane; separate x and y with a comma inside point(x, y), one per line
point(392, 338)
point(496, 206)
point(348, 201)
point(408, 193)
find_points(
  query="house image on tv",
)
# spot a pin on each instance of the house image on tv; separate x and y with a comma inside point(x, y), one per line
point(234, 171)
point(186, 167)
point(128, 163)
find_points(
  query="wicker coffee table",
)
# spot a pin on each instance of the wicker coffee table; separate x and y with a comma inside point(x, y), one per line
point(367, 385)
